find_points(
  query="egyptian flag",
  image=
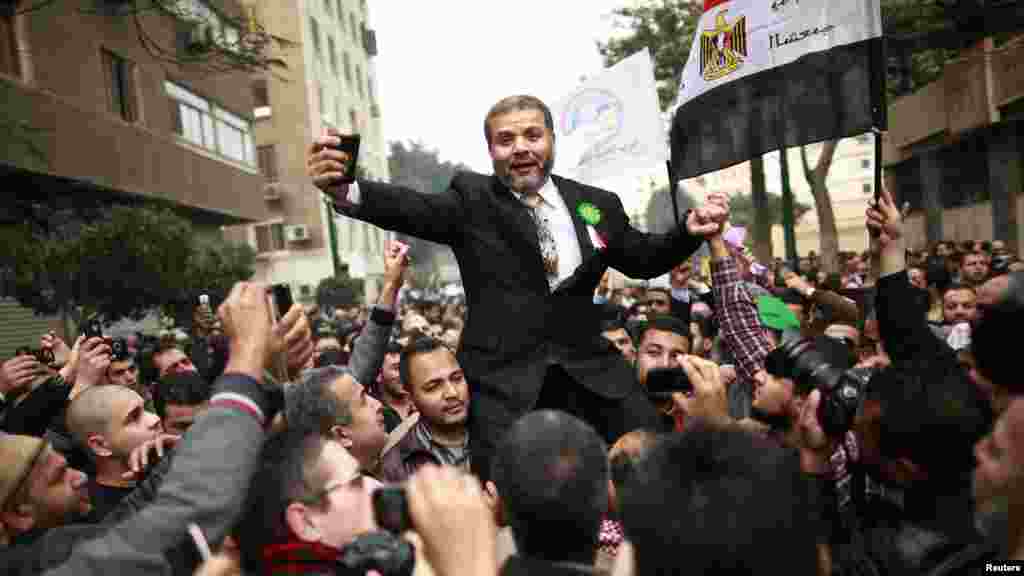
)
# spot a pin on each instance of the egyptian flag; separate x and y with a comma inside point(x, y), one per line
point(768, 74)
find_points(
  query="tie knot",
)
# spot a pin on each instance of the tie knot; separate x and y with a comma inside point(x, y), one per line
point(532, 199)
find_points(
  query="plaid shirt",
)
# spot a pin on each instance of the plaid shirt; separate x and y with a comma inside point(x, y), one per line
point(739, 324)
point(610, 537)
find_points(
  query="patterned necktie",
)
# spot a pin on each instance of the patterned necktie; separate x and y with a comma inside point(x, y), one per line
point(548, 249)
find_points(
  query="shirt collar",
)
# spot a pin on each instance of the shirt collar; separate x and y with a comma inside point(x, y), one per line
point(547, 193)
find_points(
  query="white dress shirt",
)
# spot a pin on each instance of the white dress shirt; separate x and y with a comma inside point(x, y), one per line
point(570, 254)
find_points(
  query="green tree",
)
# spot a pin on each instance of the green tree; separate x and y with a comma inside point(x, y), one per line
point(666, 28)
point(660, 219)
point(338, 291)
point(115, 261)
point(419, 167)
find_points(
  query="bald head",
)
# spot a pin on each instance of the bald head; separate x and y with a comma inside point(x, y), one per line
point(111, 420)
point(90, 412)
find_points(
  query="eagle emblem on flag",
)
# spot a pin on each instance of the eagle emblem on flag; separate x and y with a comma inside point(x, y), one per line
point(723, 48)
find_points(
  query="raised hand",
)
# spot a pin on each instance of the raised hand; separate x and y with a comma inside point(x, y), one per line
point(396, 261)
point(17, 374)
point(139, 459)
point(708, 220)
point(885, 220)
point(297, 339)
point(94, 359)
point(326, 165)
point(245, 315)
point(708, 400)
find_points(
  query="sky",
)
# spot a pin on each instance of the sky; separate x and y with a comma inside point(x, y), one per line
point(443, 64)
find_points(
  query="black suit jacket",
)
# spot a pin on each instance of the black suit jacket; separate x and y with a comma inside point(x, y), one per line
point(516, 325)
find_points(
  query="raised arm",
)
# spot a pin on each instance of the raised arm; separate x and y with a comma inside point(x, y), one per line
point(739, 326)
point(371, 346)
point(641, 255)
point(433, 217)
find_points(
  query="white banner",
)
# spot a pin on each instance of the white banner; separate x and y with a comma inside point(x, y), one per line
point(738, 38)
point(611, 126)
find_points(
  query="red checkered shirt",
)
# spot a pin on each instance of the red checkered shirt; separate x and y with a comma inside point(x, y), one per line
point(610, 537)
point(739, 324)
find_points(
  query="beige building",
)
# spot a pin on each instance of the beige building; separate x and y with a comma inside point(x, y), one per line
point(329, 82)
point(955, 149)
point(89, 112)
point(850, 183)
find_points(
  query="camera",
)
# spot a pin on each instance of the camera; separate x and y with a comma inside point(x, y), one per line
point(383, 552)
point(281, 300)
point(663, 382)
point(842, 390)
point(42, 355)
point(93, 329)
point(119, 349)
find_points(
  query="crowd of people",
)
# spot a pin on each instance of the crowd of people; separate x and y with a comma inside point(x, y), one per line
point(863, 422)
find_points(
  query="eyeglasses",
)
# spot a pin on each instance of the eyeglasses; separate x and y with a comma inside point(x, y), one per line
point(323, 493)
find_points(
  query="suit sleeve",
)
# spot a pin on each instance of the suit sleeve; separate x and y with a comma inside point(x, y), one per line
point(641, 255)
point(902, 320)
point(433, 217)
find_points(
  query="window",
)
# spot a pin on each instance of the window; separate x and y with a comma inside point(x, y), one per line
point(260, 94)
point(865, 163)
point(332, 55)
point(8, 46)
point(341, 17)
point(866, 187)
point(120, 85)
point(348, 67)
point(327, 7)
point(352, 27)
point(369, 89)
point(315, 33)
point(269, 237)
point(209, 126)
point(353, 118)
point(359, 81)
point(266, 158)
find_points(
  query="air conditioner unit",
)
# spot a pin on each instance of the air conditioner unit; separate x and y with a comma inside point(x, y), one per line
point(297, 233)
point(272, 192)
point(305, 290)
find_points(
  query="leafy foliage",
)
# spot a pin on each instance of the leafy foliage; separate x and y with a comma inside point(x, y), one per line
point(338, 291)
point(666, 28)
point(125, 262)
point(660, 219)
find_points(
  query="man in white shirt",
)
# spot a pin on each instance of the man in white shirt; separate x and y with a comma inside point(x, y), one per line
point(531, 249)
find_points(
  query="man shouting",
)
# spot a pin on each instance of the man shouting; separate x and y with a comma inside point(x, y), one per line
point(531, 248)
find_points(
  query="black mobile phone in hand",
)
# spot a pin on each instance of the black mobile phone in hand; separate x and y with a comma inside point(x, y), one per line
point(280, 300)
point(663, 382)
point(349, 145)
point(93, 329)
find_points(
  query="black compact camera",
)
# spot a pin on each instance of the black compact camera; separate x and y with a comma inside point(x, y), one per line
point(663, 382)
point(42, 355)
point(93, 329)
point(281, 300)
point(383, 552)
point(842, 390)
point(119, 349)
point(391, 509)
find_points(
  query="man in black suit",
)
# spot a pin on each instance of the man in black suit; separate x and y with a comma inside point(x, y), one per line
point(531, 248)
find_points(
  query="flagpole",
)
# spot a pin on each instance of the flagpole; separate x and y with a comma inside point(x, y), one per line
point(787, 211)
point(672, 191)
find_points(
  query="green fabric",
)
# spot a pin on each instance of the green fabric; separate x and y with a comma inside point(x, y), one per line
point(774, 314)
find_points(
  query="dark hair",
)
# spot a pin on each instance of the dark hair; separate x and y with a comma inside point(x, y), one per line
point(311, 404)
point(280, 479)
point(664, 323)
point(971, 252)
point(933, 415)
point(420, 344)
point(551, 471)
point(720, 501)
point(185, 389)
point(707, 325)
point(515, 104)
point(147, 358)
point(957, 286)
point(994, 352)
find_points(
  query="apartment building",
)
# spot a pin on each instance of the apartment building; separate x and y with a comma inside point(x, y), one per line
point(329, 82)
point(96, 102)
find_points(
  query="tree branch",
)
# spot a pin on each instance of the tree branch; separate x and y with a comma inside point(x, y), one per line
point(804, 162)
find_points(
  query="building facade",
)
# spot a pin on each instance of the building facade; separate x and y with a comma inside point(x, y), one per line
point(954, 149)
point(329, 83)
point(98, 104)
